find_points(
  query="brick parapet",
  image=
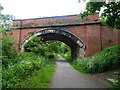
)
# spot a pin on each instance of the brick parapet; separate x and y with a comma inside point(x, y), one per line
point(55, 21)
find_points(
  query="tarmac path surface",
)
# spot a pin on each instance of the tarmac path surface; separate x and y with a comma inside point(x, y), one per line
point(66, 76)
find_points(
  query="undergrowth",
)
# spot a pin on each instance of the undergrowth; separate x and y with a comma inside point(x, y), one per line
point(25, 64)
point(116, 84)
point(18, 66)
point(40, 78)
point(105, 60)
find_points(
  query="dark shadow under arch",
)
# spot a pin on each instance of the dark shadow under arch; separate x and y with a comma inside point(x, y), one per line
point(77, 46)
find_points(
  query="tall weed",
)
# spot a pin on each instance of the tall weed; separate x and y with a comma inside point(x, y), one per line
point(27, 63)
point(103, 61)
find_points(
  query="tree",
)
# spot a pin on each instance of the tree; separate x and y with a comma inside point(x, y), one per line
point(5, 20)
point(6, 42)
point(94, 7)
point(110, 15)
point(8, 51)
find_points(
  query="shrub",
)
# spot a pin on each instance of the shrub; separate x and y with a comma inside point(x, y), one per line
point(115, 82)
point(67, 55)
point(7, 47)
point(116, 85)
point(48, 49)
point(36, 45)
point(28, 63)
point(8, 51)
point(103, 61)
point(51, 55)
point(40, 78)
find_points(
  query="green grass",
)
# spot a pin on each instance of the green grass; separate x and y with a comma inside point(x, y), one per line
point(78, 69)
point(105, 60)
point(40, 78)
point(24, 66)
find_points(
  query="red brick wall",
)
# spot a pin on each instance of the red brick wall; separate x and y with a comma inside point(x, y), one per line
point(16, 35)
point(109, 37)
point(95, 36)
point(79, 31)
point(90, 35)
point(93, 44)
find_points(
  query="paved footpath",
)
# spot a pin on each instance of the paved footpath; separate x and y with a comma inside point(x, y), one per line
point(67, 77)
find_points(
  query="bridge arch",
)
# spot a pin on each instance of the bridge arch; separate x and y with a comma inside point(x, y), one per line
point(77, 46)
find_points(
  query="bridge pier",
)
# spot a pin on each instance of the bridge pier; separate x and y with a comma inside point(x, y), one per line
point(77, 52)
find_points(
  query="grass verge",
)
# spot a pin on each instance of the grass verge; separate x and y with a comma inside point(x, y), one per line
point(16, 70)
point(78, 69)
point(40, 78)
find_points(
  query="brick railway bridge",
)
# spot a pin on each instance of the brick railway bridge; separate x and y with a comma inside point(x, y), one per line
point(85, 36)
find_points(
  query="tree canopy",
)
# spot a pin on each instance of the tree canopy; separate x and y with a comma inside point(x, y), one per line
point(110, 14)
point(5, 20)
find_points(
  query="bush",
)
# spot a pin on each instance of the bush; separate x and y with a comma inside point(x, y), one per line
point(51, 55)
point(28, 63)
point(103, 61)
point(67, 55)
point(7, 47)
point(8, 51)
point(49, 49)
point(36, 45)
point(116, 85)
point(40, 78)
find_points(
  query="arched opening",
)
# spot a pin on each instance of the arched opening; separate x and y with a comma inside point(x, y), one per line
point(76, 45)
point(52, 49)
